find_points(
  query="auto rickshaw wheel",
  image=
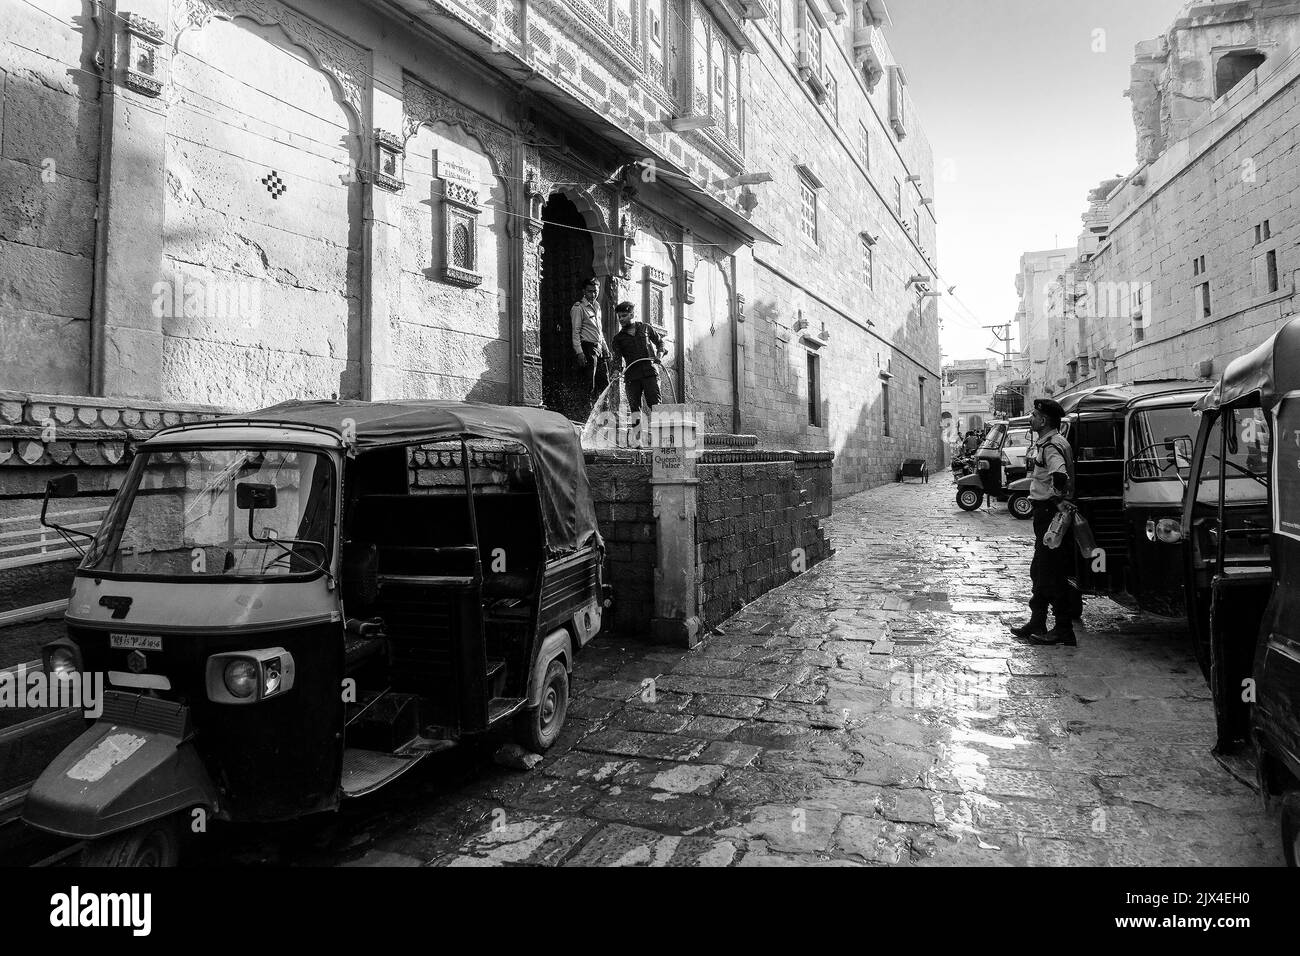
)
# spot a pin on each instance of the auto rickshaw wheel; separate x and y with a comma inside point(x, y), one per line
point(538, 728)
point(1291, 827)
point(1021, 506)
point(968, 499)
point(152, 844)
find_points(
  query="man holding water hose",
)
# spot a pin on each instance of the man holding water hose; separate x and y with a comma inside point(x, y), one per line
point(636, 349)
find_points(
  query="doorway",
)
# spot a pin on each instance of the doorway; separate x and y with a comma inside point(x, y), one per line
point(567, 254)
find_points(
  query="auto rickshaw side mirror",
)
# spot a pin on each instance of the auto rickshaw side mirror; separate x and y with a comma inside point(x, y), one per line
point(65, 487)
point(253, 495)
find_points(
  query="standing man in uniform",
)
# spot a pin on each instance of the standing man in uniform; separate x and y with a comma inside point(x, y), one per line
point(1050, 469)
point(636, 347)
point(588, 339)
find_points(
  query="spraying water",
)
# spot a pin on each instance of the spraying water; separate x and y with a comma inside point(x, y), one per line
point(612, 424)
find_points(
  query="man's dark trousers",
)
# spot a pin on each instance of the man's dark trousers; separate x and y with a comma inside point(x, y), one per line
point(1049, 572)
point(647, 385)
point(590, 350)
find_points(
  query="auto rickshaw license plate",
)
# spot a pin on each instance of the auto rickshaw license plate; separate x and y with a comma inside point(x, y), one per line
point(136, 642)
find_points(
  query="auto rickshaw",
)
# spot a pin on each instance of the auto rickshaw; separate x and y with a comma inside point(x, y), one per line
point(1132, 449)
point(287, 619)
point(995, 468)
point(1242, 515)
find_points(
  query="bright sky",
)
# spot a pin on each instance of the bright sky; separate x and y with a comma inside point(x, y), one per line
point(1025, 118)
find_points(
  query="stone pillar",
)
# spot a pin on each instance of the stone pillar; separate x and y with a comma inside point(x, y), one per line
point(382, 162)
point(673, 484)
point(529, 308)
point(126, 335)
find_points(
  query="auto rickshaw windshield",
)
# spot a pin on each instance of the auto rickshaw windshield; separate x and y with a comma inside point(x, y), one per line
point(178, 516)
point(1246, 467)
point(1160, 443)
point(993, 440)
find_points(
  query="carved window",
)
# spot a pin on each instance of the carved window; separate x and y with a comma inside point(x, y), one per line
point(808, 208)
point(774, 14)
point(623, 18)
point(717, 78)
point(460, 214)
point(655, 285)
point(663, 31)
point(812, 41)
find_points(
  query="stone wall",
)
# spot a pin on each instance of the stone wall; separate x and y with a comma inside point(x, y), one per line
point(1204, 197)
point(758, 524)
point(49, 173)
point(620, 487)
point(877, 329)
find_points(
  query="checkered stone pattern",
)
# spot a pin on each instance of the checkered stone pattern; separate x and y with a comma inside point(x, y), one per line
point(276, 186)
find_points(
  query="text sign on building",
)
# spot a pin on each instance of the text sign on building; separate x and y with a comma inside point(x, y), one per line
point(1286, 468)
point(447, 169)
point(673, 431)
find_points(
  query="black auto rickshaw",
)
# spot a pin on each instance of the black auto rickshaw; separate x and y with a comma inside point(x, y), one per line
point(1242, 515)
point(996, 465)
point(1132, 449)
point(298, 605)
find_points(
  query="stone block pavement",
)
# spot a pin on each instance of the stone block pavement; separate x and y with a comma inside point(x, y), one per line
point(873, 711)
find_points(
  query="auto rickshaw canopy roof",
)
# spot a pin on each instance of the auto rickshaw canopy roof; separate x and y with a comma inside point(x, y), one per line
point(1102, 399)
point(555, 453)
point(1261, 377)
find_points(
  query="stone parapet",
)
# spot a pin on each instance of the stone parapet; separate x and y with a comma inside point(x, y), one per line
point(75, 431)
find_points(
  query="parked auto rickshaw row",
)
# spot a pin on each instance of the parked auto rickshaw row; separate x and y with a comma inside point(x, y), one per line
point(1192, 494)
point(285, 622)
point(998, 463)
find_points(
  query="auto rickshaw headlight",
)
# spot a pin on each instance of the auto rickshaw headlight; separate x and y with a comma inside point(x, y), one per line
point(982, 464)
point(241, 677)
point(245, 677)
point(62, 659)
point(1166, 530)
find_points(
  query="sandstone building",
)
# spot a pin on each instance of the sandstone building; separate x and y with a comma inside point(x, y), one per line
point(228, 203)
point(1191, 260)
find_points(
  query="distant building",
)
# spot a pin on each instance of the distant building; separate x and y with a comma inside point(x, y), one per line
point(1038, 271)
point(976, 391)
point(1192, 259)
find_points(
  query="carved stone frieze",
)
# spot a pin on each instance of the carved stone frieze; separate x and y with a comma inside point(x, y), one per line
point(347, 63)
point(424, 106)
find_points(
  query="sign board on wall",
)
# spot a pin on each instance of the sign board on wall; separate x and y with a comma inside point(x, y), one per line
point(448, 169)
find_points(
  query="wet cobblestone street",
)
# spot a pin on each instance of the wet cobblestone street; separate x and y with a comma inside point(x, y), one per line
point(873, 711)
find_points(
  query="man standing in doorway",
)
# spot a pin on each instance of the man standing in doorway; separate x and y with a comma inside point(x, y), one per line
point(1050, 471)
point(636, 348)
point(588, 338)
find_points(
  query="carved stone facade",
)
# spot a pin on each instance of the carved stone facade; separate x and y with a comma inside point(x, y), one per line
point(374, 202)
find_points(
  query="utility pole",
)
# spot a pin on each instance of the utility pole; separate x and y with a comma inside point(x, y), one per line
point(1005, 340)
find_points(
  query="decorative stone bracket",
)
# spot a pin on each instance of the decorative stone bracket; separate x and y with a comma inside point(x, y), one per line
point(627, 239)
point(688, 286)
point(534, 200)
point(389, 160)
point(142, 37)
